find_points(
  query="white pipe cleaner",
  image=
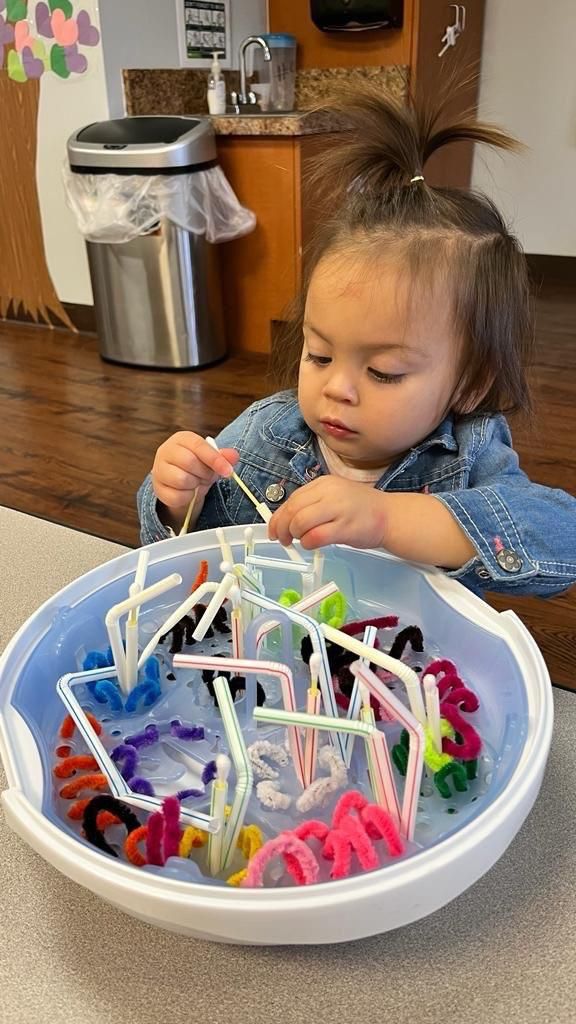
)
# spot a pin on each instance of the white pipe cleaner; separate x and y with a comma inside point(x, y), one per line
point(320, 791)
point(263, 748)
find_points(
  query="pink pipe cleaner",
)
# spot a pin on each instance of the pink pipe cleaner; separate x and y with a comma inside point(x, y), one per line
point(353, 628)
point(154, 839)
point(471, 744)
point(298, 858)
point(463, 698)
point(171, 810)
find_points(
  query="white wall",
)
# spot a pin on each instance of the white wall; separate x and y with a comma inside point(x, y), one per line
point(144, 34)
point(64, 107)
point(528, 84)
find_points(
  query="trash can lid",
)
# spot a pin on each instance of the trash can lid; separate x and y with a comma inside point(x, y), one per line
point(143, 145)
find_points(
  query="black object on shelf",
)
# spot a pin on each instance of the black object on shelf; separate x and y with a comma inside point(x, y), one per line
point(356, 15)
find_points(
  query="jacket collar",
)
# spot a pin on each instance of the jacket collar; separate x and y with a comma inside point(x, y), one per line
point(288, 431)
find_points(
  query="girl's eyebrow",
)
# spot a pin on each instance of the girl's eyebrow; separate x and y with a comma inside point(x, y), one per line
point(385, 346)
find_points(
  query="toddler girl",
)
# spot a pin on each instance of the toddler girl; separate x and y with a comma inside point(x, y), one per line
point(410, 342)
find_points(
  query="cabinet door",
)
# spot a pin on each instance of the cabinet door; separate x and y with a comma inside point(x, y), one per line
point(431, 74)
point(260, 271)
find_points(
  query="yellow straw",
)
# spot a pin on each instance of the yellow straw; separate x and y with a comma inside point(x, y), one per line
point(186, 522)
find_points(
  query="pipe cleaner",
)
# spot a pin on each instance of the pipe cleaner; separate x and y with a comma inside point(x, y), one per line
point(92, 781)
point(125, 756)
point(410, 635)
point(77, 762)
point(458, 773)
point(298, 858)
point(467, 745)
point(68, 727)
point(106, 802)
point(319, 792)
point(270, 796)
point(131, 842)
point(264, 748)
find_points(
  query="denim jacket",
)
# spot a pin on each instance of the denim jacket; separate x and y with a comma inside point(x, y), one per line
point(524, 534)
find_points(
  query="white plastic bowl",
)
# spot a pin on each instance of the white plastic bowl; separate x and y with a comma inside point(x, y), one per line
point(493, 650)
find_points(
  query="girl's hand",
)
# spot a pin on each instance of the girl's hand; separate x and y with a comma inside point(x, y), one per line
point(186, 463)
point(330, 510)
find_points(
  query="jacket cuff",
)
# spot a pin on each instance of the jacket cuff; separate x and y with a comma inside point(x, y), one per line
point(486, 521)
point(152, 529)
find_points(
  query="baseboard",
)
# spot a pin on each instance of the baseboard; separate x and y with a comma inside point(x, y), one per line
point(82, 316)
point(552, 269)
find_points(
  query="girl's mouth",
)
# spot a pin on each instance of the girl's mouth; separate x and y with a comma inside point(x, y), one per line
point(337, 429)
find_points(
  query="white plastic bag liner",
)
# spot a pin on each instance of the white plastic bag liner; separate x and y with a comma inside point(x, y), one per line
point(118, 207)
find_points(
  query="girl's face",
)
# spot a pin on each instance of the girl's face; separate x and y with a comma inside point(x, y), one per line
point(380, 360)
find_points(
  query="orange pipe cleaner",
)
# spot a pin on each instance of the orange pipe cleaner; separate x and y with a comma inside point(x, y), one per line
point(201, 576)
point(131, 846)
point(94, 781)
point(68, 726)
point(70, 765)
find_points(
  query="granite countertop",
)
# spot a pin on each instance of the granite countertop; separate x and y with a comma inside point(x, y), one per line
point(183, 91)
point(501, 953)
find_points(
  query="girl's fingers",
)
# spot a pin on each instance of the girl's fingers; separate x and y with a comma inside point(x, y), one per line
point(294, 520)
point(219, 462)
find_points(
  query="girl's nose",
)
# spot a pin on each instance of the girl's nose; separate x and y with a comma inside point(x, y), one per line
point(340, 387)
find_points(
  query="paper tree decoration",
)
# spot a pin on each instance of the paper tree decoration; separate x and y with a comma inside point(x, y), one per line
point(36, 38)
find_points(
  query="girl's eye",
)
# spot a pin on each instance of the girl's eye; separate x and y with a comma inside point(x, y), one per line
point(386, 378)
point(317, 360)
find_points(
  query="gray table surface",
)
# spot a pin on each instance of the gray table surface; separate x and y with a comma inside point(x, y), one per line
point(501, 952)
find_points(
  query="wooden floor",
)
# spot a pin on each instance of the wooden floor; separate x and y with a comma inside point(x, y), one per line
point(78, 435)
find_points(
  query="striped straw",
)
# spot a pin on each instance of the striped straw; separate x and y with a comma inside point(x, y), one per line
point(118, 785)
point(416, 751)
point(312, 708)
point(242, 767)
point(355, 706)
point(318, 646)
point(218, 812)
point(398, 668)
point(263, 668)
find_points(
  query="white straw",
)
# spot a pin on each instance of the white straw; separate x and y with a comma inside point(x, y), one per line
point(218, 812)
point(175, 616)
point(393, 665)
point(224, 546)
point(248, 542)
point(131, 642)
point(356, 699)
point(433, 709)
point(215, 603)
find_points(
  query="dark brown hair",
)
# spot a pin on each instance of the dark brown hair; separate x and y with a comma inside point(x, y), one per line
point(366, 179)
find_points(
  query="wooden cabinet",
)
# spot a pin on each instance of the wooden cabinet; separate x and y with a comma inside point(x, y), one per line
point(261, 272)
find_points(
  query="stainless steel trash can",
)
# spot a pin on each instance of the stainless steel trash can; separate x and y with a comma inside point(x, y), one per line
point(157, 298)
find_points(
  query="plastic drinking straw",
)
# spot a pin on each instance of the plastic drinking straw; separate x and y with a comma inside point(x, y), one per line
point(433, 709)
point(316, 597)
point(318, 647)
point(248, 542)
point(118, 786)
point(263, 668)
point(224, 546)
point(356, 700)
point(218, 811)
point(114, 614)
point(236, 622)
point(416, 751)
point(393, 665)
point(312, 708)
point(131, 642)
point(216, 602)
point(318, 567)
point(175, 616)
point(186, 523)
point(261, 562)
point(261, 508)
point(242, 767)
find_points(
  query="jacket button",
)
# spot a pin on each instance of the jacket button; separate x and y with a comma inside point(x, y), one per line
point(482, 573)
point(509, 560)
point(275, 493)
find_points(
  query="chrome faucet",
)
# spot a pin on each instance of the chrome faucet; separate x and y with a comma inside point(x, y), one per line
point(244, 97)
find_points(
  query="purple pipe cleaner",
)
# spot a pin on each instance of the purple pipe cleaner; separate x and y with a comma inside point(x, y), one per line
point(139, 785)
point(209, 773)
point(183, 794)
point(186, 732)
point(146, 738)
point(126, 757)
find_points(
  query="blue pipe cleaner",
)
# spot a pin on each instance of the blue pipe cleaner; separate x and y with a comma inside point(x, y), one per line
point(148, 689)
point(105, 691)
point(152, 669)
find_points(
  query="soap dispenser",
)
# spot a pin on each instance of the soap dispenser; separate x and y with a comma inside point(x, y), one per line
point(216, 87)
